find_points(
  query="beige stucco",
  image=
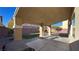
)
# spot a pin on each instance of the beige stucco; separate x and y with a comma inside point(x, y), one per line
point(43, 15)
point(76, 31)
point(76, 23)
point(18, 34)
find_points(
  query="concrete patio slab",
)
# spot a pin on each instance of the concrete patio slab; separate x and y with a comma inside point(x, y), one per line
point(48, 45)
point(18, 45)
point(39, 44)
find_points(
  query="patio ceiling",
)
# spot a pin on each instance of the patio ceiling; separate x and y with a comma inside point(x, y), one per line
point(43, 15)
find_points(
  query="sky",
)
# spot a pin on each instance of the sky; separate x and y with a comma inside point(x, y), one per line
point(58, 24)
point(6, 13)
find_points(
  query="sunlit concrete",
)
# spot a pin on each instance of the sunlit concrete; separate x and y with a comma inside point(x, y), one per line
point(49, 44)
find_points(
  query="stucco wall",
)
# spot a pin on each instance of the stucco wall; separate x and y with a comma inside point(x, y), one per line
point(3, 32)
point(30, 29)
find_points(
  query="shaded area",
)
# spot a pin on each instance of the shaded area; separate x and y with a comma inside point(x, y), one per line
point(30, 36)
point(29, 49)
point(19, 45)
point(63, 34)
point(3, 32)
point(74, 46)
point(6, 36)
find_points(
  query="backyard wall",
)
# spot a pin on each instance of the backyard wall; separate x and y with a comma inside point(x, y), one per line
point(3, 32)
point(30, 29)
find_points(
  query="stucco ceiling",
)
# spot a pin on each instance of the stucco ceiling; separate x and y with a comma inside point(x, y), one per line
point(44, 15)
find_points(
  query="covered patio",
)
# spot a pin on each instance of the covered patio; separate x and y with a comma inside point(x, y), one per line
point(44, 17)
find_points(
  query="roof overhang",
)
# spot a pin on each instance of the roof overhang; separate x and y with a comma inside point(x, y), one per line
point(43, 15)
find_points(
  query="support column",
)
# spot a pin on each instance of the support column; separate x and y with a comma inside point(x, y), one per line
point(70, 29)
point(71, 32)
point(18, 33)
point(49, 30)
point(17, 29)
point(40, 31)
point(77, 23)
point(76, 27)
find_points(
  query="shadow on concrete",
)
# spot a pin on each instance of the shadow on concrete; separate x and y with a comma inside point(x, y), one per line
point(74, 46)
point(6, 36)
point(63, 34)
point(29, 49)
